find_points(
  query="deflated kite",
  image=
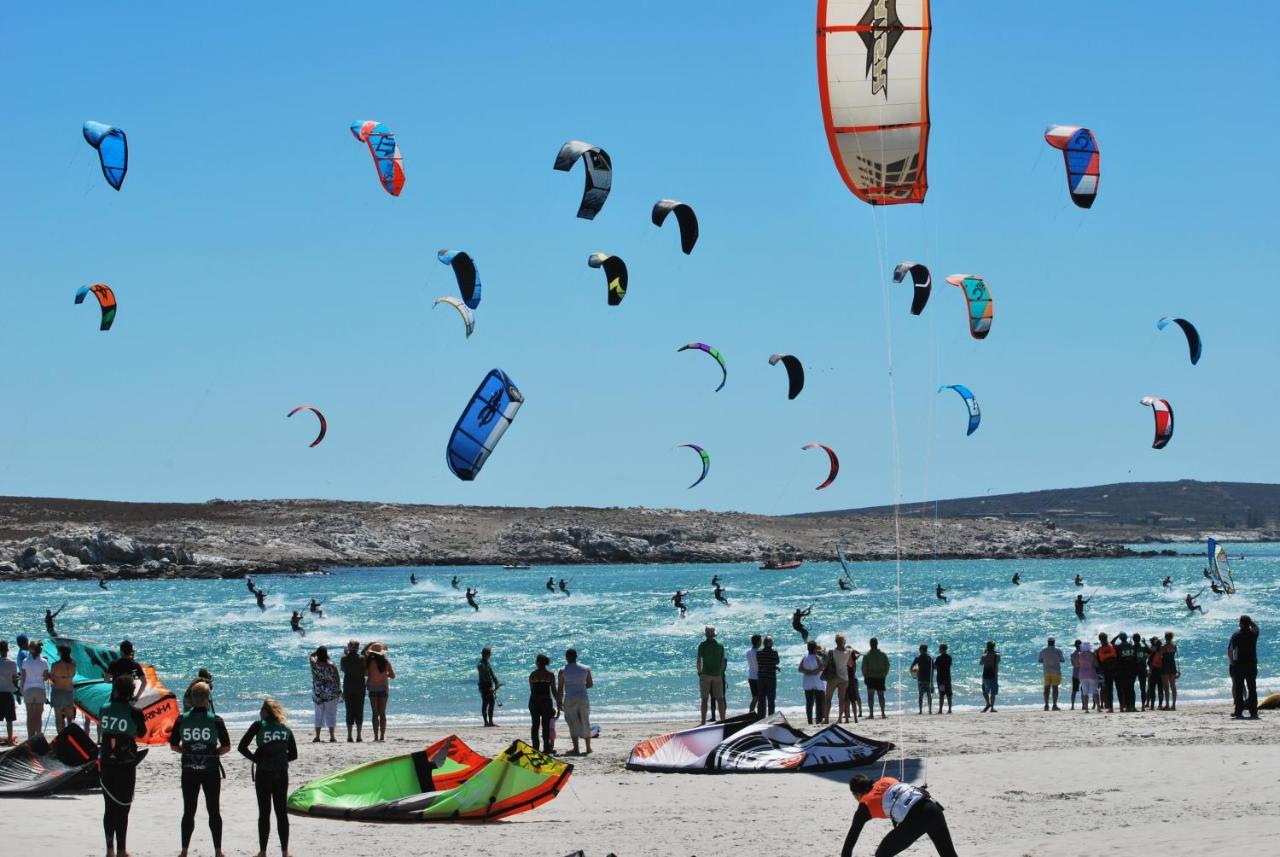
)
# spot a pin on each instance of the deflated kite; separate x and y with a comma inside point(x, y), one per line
point(795, 373)
point(835, 463)
point(702, 346)
point(1082, 158)
point(324, 424)
point(113, 151)
point(464, 268)
point(106, 300)
point(981, 304)
point(615, 274)
point(599, 174)
point(485, 419)
point(468, 317)
point(39, 766)
point(1164, 420)
point(923, 283)
point(975, 415)
point(684, 216)
point(1193, 335)
point(706, 460)
point(387, 159)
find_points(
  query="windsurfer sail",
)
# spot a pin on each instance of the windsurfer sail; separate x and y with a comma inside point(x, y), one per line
point(1218, 565)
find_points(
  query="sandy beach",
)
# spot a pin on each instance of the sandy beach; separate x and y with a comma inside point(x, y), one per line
point(1016, 783)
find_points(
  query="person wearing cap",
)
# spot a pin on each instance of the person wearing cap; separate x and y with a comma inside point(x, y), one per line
point(711, 671)
point(23, 654)
point(353, 674)
point(1051, 659)
point(203, 676)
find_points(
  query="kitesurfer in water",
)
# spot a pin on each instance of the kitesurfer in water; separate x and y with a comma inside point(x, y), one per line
point(314, 607)
point(1080, 602)
point(454, 582)
point(1017, 578)
point(719, 593)
point(797, 622)
point(939, 592)
point(564, 586)
point(260, 596)
point(844, 585)
point(413, 579)
point(248, 581)
point(102, 584)
point(678, 600)
point(551, 584)
point(715, 580)
point(1190, 601)
point(295, 622)
point(1215, 589)
point(471, 599)
point(1168, 581)
point(49, 616)
point(1079, 580)
point(912, 810)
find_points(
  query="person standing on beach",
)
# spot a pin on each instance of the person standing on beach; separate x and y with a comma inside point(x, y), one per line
point(274, 749)
point(202, 675)
point(573, 683)
point(797, 622)
point(1169, 674)
point(488, 684)
point(1155, 688)
point(1242, 654)
point(353, 674)
point(8, 687)
point(922, 669)
point(767, 660)
point(122, 725)
point(990, 661)
point(1087, 663)
point(875, 668)
point(35, 672)
point(1075, 673)
point(1126, 672)
point(545, 704)
point(62, 678)
point(913, 812)
point(942, 668)
point(201, 737)
point(378, 675)
point(753, 674)
point(837, 681)
point(1141, 652)
point(810, 669)
point(711, 672)
point(1107, 667)
point(325, 690)
point(1051, 659)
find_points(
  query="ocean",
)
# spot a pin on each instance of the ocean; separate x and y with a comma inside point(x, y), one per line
point(623, 624)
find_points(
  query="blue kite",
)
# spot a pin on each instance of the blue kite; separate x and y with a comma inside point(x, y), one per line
point(975, 415)
point(491, 410)
point(113, 151)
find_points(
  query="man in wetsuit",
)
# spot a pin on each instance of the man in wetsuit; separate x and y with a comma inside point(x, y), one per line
point(678, 601)
point(1107, 666)
point(201, 737)
point(1079, 580)
point(248, 581)
point(1190, 601)
point(942, 669)
point(102, 583)
point(261, 597)
point(1080, 602)
point(1126, 671)
point(1242, 652)
point(797, 622)
point(49, 616)
point(564, 586)
point(413, 579)
point(719, 593)
point(939, 592)
point(844, 585)
point(471, 599)
point(715, 580)
point(1017, 578)
point(314, 607)
point(1214, 588)
point(487, 682)
point(295, 622)
point(1167, 582)
point(551, 584)
point(913, 812)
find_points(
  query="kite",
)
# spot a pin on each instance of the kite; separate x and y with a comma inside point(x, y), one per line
point(795, 373)
point(92, 685)
point(1193, 335)
point(684, 216)
point(387, 159)
point(485, 419)
point(923, 283)
point(106, 300)
point(113, 151)
point(464, 268)
point(981, 304)
point(39, 766)
point(468, 317)
point(975, 415)
point(747, 745)
point(873, 78)
point(447, 782)
point(702, 346)
point(1164, 420)
point(1217, 564)
point(615, 274)
point(324, 424)
point(706, 460)
point(599, 174)
point(835, 463)
point(1082, 158)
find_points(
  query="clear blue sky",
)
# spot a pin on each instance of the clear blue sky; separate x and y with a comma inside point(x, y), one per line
point(259, 265)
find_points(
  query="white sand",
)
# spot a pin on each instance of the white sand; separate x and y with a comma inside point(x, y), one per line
point(1014, 783)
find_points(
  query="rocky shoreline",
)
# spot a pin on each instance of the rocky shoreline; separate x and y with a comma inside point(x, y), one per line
point(85, 539)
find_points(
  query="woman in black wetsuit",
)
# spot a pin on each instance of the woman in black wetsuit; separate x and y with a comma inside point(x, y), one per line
point(544, 703)
point(201, 737)
point(274, 748)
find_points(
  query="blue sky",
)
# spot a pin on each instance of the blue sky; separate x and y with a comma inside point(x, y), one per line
point(259, 265)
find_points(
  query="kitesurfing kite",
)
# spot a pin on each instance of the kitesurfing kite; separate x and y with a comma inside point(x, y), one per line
point(702, 346)
point(485, 419)
point(106, 300)
point(981, 304)
point(748, 745)
point(468, 317)
point(615, 274)
point(39, 766)
point(324, 424)
point(795, 373)
point(1193, 335)
point(975, 415)
point(835, 463)
point(706, 460)
point(1217, 564)
point(923, 283)
point(1082, 158)
point(113, 151)
point(92, 685)
point(387, 159)
point(446, 782)
point(684, 216)
point(464, 268)
point(599, 174)
point(873, 78)
point(1164, 420)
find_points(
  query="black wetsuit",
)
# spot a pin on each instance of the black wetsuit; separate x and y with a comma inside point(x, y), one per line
point(564, 586)
point(678, 600)
point(799, 625)
point(940, 593)
point(471, 599)
point(925, 818)
point(1080, 602)
point(720, 595)
point(1244, 671)
point(413, 579)
point(121, 725)
point(844, 585)
point(1079, 581)
point(551, 584)
point(295, 622)
point(48, 622)
point(274, 749)
point(1166, 583)
point(102, 583)
point(1017, 580)
point(261, 597)
point(199, 735)
point(248, 581)
point(454, 583)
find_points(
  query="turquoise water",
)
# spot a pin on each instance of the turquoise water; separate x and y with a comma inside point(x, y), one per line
point(620, 619)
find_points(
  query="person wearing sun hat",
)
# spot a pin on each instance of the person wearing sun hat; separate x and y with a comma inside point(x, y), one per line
point(378, 672)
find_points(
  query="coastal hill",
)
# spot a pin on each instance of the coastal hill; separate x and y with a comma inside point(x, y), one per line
point(89, 538)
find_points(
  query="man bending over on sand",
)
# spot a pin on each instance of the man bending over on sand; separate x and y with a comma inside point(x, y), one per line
point(875, 668)
point(711, 668)
point(912, 810)
point(1051, 658)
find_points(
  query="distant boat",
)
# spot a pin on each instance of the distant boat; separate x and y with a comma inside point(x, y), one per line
point(517, 566)
point(781, 564)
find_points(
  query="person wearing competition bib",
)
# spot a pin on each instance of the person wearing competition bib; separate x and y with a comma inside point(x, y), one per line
point(201, 737)
point(274, 749)
point(913, 812)
point(121, 726)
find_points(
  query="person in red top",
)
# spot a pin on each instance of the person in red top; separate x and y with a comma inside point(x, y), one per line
point(913, 812)
point(1107, 664)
